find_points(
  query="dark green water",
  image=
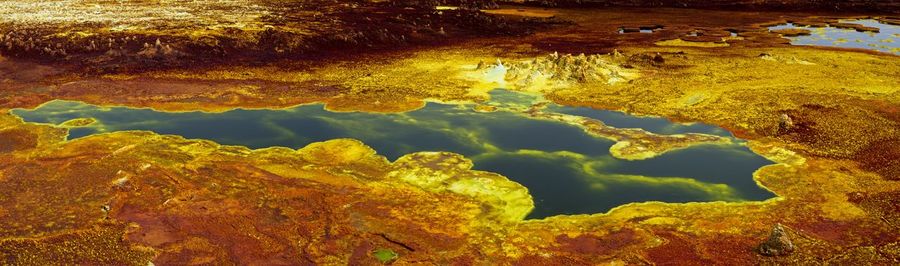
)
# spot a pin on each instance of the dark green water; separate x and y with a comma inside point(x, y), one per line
point(566, 170)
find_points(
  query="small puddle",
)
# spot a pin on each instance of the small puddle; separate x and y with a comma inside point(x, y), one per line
point(886, 40)
point(641, 29)
point(566, 170)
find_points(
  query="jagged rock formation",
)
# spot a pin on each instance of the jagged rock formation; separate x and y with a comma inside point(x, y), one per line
point(556, 68)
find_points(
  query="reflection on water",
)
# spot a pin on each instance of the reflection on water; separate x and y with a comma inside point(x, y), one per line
point(566, 170)
point(886, 40)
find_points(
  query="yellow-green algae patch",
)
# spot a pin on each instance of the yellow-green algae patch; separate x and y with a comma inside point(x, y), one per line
point(78, 122)
point(440, 171)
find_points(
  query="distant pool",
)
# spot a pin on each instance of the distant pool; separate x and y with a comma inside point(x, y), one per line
point(886, 40)
point(566, 170)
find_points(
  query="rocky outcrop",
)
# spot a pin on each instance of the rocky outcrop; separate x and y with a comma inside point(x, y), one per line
point(556, 68)
point(778, 244)
point(785, 123)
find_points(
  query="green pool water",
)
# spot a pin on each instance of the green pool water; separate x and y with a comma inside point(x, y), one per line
point(566, 170)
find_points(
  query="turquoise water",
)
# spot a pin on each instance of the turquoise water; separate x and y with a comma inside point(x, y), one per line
point(566, 170)
point(886, 40)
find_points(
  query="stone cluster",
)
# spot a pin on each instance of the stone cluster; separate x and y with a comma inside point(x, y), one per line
point(26, 43)
point(30, 42)
point(157, 50)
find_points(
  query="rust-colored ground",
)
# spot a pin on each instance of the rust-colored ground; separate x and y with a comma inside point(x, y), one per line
point(138, 197)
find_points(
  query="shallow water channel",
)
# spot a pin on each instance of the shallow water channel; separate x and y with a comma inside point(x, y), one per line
point(886, 40)
point(566, 170)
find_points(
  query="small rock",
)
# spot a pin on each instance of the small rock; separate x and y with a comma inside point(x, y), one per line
point(481, 65)
point(785, 122)
point(778, 243)
point(658, 59)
